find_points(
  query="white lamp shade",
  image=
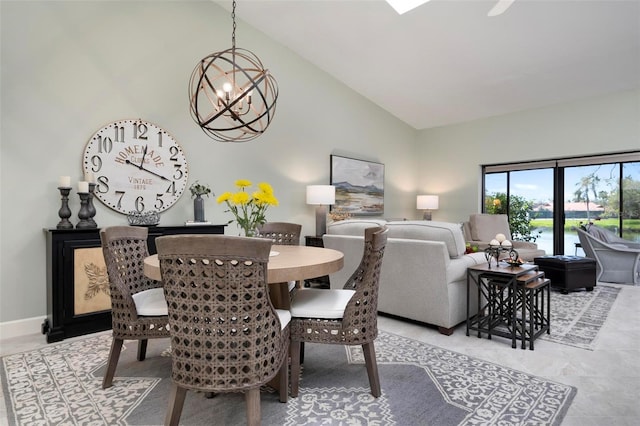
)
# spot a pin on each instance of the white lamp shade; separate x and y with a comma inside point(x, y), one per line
point(321, 194)
point(427, 202)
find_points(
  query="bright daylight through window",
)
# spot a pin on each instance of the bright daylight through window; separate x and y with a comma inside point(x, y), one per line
point(547, 200)
point(402, 6)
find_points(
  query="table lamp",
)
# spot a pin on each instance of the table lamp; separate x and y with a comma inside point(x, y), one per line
point(427, 203)
point(321, 196)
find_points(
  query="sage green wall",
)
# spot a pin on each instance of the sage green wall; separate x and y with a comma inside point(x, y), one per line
point(451, 156)
point(69, 67)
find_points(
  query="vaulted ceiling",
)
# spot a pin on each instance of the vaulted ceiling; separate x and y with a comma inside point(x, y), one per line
point(447, 62)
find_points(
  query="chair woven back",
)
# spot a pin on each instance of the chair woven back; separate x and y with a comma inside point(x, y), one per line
point(124, 249)
point(225, 333)
point(281, 233)
point(359, 323)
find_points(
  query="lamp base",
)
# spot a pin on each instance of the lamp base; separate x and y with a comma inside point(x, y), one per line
point(321, 220)
point(426, 215)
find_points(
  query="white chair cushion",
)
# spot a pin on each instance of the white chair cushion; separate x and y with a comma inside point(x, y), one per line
point(285, 317)
point(150, 303)
point(319, 303)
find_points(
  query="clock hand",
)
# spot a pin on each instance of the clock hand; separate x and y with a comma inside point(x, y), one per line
point(146, 170)
point(144, 152)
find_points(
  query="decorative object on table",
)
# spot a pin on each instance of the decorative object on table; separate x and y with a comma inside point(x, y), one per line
point(428, 203)
point(146, 218)
point(232, 96)
point(197, 191)
point(90, 207)
point(499, 245)
point(359, 185)
point(471, 248)
point(137, 166)
point(249, 209)
point(83, 213)
point(321, 196)
point(64, 186)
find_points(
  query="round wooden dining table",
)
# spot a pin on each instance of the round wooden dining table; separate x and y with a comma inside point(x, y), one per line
point(286, 263)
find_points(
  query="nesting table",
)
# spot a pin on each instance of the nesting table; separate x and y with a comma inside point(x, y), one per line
point(513, 302)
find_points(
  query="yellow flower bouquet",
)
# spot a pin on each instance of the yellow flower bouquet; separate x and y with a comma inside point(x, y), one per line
point(249, 210)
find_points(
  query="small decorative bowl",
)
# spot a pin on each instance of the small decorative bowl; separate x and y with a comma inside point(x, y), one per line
point(149, 218)
point(513, 263)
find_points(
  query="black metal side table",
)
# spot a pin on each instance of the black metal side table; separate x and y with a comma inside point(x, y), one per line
point(513, 302)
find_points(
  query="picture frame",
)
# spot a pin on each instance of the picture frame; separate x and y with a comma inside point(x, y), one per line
point(359, 186)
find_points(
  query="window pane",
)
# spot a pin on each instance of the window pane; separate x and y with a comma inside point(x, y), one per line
point(531, 207)
point(495, 193)
point(590, 195)
point(631, 201)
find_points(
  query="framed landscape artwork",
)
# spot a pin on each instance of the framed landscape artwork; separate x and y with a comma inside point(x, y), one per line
point(359, 186)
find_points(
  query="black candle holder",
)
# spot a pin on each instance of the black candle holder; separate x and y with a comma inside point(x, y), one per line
point(83, 214)
point(493, 252)
point(90, 207)
point(65, 211)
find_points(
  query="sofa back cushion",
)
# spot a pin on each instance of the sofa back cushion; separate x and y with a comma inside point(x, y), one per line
point(353, 226)
point(449, 233)
point(484, 227)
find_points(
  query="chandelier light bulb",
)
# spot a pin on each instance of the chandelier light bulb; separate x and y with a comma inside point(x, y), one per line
point(226, 87)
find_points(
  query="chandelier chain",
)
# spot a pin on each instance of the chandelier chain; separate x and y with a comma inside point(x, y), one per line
point(233, 18)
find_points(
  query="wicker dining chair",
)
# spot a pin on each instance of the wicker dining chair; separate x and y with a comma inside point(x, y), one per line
point(281, 233)
point(138, 308)
point(284, 234)
point(225, 334)
point(347, 316)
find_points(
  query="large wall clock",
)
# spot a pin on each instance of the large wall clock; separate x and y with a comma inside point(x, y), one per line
point(137, 166)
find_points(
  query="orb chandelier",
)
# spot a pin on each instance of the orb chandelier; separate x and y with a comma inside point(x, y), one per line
point(232, 97)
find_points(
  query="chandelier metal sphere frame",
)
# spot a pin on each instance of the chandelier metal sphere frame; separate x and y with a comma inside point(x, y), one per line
point(232, 96)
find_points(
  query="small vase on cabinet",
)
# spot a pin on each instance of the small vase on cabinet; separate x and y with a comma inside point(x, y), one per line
point(198, 209)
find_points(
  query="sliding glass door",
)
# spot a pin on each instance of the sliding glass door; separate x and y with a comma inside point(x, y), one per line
point(588, 192)
point(547, 200)
point(630, 191)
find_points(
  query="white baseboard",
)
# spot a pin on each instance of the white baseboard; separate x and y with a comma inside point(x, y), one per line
point(21, 327)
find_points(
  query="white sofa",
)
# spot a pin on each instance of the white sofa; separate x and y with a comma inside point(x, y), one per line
point(424, 270)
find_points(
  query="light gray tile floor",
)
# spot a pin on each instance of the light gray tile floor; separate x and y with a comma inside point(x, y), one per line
point(607, 378)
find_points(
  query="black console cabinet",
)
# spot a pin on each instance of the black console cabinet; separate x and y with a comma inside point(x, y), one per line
point(75, 254)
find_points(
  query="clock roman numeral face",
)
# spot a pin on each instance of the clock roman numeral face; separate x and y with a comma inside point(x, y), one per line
point(137, 165)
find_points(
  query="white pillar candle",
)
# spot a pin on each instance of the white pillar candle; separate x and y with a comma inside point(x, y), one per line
point(83, 186)
point(88, 176)
point(64, 181)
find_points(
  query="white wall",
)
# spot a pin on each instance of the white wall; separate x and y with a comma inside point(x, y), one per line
point(451, 156)
point(69, 67)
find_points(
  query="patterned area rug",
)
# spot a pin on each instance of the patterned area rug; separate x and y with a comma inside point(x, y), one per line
point(577, 317)
point(421, 384)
